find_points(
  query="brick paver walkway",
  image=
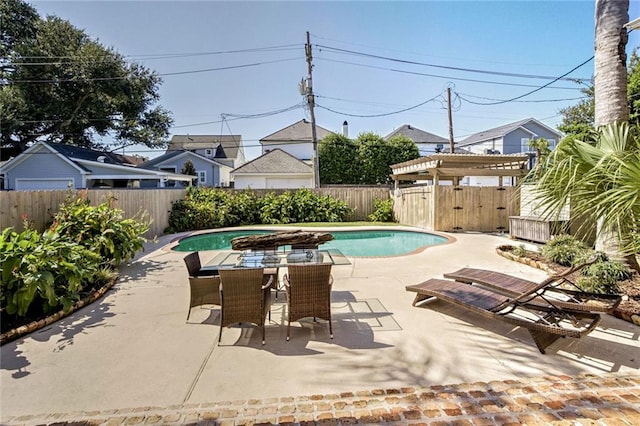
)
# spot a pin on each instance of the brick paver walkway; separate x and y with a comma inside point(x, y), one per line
point(608, 399)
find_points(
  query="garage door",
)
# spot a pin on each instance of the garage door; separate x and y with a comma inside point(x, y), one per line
point(42, 184)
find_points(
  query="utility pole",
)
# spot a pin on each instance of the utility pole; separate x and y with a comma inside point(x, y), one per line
point(311, 102)
point(451, 147)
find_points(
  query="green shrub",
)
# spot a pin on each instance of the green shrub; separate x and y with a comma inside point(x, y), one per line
point(565, 250)
point(383, 211)
point(603, 276)
point(521, 251)
point(302, 206)
point(47, 267)
point(205, 208)
point(102, 229)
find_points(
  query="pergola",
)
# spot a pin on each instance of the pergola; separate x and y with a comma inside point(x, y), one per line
point(453, 167)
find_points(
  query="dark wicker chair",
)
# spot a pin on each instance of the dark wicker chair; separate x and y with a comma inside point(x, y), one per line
point(309, 292)
point(245, 297)
point(204, 289)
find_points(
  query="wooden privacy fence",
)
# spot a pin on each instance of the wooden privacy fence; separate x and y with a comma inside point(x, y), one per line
point(456, 208)
point(40, 206)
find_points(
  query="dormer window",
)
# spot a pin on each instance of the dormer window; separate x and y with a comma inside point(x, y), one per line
point(208, 152)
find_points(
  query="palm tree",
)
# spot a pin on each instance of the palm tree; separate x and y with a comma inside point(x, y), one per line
point(610, 78)
point(610, 81)
point(601, 180)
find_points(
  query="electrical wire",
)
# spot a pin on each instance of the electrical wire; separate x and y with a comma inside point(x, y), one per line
point(532, 91)
point(442, 76)
point(231, 67)
point(532, 101)
point(166, 55)
point(472, 70)
point(382, 114)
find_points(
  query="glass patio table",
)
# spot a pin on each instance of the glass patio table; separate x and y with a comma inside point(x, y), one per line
point(275, 258)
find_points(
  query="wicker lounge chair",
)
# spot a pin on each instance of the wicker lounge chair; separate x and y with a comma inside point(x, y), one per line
point(557, 290)
point(204, 285)
point(244, 297)
point(309, 292)
point(545, 324)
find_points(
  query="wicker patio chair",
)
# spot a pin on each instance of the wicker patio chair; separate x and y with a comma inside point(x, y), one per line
point(545, 323)
point(203, 289)
point(309, 292)
point(245, 298)
point(557, 290)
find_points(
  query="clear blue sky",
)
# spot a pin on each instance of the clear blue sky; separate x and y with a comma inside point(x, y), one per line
point(542, 38)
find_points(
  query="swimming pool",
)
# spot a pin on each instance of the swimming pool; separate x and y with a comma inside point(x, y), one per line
point(361, 243)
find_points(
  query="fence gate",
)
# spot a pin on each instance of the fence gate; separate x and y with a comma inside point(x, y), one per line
point(480, 209)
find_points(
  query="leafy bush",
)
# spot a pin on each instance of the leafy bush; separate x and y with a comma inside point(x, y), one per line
point(301, 206)
point(205, 208)
point(102, 229)
point(565, 250)
point(383, 211)
point(46, 267)
point(603, 276)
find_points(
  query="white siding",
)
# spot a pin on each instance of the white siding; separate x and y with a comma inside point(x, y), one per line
point(26, 184)
point(300, 150)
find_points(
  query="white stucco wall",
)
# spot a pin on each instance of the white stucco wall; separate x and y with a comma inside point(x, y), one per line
point(273, 182)
point(300, 150)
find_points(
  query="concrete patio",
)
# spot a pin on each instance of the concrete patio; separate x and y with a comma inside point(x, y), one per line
point(133, 348)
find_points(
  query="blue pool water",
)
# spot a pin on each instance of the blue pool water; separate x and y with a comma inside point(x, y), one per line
point(365, 243)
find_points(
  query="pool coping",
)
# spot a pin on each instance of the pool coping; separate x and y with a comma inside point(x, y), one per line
point(449, 239)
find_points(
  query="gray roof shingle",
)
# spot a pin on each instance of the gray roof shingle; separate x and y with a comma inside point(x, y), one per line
point(496, 132)
point(299, 131)
point(274, 161)
point(229, 144)
point(416, 135)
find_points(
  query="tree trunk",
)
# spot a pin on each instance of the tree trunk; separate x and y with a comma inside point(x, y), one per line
point(610, 82)
point(610, 74)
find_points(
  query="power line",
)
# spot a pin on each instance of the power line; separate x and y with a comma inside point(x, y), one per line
point(532, 91)
point(441, 76)
point(404, 61)
point(382, 114)
point(434, 56)
point(532, 101)
point(165, 55)
point(232, 67)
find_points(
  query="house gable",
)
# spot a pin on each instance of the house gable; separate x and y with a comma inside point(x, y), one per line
point(295, 139)
point(509, 138)
point(274, 169)
point(56, 166)
point(276, 161)
point(208, 171)
point(224, 148)
point(427, 143)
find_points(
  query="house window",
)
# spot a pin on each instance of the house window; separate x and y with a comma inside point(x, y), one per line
point(202, 177)
point(552, 143)
point(524, 145)
point(170, 169)
point(208, 152)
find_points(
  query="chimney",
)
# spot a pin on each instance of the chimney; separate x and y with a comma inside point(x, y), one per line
point(345, 129)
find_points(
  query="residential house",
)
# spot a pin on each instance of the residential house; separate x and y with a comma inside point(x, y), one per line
point(209, 172)
point(295, 139)
point(275, 169)
point(427, 143)
point(57, 166)
point(226, 150)
point(512, 138)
